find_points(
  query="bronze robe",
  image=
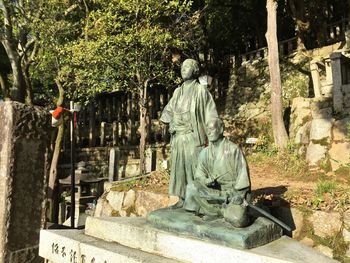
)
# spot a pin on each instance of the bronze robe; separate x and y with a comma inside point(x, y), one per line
point(190, 107)
point(227, 169)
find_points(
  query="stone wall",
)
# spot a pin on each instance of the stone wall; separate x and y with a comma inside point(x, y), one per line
point(23, 173)
point(319, 134)
point(247, 106)
point(131, 203)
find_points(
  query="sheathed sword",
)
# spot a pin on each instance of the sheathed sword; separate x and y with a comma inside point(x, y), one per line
point(246, 203)
point(266, 214)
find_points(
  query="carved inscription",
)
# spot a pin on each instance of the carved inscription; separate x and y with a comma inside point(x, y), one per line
point(61, 251)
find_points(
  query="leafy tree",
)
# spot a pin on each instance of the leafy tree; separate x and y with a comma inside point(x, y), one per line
point(60, 24)
point(19, 43)
point(127, 45)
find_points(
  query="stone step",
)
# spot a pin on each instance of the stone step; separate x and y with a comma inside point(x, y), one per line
point(136, 233)
point(72, 246)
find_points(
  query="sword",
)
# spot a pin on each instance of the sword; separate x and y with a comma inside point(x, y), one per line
point(245, 203)
point(266, 214)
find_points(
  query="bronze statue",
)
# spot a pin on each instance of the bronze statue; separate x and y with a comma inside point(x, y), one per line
point(187, 112)
point(221, 183)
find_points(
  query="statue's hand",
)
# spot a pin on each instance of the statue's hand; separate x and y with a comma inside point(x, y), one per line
point(208, 182)
point(237, 200)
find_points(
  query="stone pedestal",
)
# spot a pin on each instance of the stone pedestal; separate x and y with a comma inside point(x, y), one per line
point(260, 232)
point(113, 239)
point(23, 174)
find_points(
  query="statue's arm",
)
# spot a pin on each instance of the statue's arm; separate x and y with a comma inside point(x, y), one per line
point(241, 180)
point(167, 113)
point(202, 172)
point(208, 110)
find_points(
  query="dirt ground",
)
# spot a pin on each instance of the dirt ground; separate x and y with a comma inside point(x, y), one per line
point(273, 184)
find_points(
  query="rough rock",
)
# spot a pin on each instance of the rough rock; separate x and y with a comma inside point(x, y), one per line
point(339, 154)
point(298, 219)
point(325, 250)
point(347, 253)
point(307, 241)
point(346, 219)
point(123, 213)
point(325, 113)
point(147, 202)
point(315, 153)
point(103, 208)
point(115, 199)
point(299, 118)
point(346, 235)
point(325, 224)
point(129, 200)
point(339, 129)
point(302, 135)
point(300, 102)
point(321, 130)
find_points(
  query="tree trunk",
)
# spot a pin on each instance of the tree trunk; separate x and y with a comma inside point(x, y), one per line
point(3, 86)
point(52, 189)
point(297, 8)
point(29, 93)
point(143, 113)
point(17, 92)
point(279, 130)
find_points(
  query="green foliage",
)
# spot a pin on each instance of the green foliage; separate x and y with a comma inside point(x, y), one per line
point(348, 130)
point(288, 161)
point(323, 188)
point(111, 45)
point(266, 146)
point(295, 74)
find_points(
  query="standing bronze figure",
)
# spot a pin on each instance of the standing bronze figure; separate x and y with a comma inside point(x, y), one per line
point(187, 112)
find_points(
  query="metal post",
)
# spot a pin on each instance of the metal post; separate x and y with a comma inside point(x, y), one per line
point(72, 160)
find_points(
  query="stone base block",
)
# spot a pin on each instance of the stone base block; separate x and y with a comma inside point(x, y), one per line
point(72, 246)
point(137, 233)
point(260, 232)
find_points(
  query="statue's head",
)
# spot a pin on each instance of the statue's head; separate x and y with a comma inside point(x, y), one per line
point(215, 129)
point(190, 69)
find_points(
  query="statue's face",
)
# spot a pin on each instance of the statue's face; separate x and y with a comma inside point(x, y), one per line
point(189, 69)
point(186, 72)
point(214, 131)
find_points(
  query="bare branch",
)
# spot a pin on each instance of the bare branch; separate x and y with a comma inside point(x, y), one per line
point(70, 9)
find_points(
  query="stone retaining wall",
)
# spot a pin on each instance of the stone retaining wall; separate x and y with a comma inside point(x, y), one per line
point(318, 134)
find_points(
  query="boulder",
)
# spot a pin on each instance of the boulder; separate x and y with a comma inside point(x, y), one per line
point(129, 200)
point(115, 199)
point(321, 130)
point(325, 224)
point(339, 154)
point(346, 235)
point(346, 219)
point(300, 102)
point(302, 134)
point(147, 202)
point(325, 113)
point(325, 250)
point(307, 241)
point(315, 153)
point(340, 129)
point(103, 208)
